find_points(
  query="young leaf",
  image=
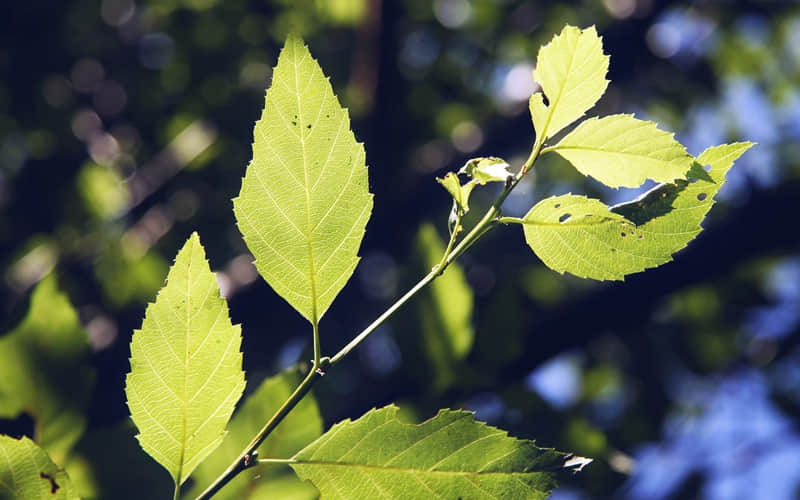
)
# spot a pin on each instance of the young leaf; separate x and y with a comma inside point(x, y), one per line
point(186, 367)
point(459, 192)
point(489, 169)
point(584, 237)
point(45, 370)
point(305, 200)
point(449, 456)
point(571, 70)
point(620, 150)
point(27, 472)
point(301, 426)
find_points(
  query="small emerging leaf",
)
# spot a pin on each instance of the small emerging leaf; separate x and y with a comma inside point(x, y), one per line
point(584, 237)
point(620, 150)
point(485, 170)
point(305, 199)
point(571, 70)
point(27, 472)
point(449, 456)
point(459, 192)
point(186, 367)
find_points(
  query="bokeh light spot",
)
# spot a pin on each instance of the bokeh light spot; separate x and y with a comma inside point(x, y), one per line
point(452, 13)
point(156, 50)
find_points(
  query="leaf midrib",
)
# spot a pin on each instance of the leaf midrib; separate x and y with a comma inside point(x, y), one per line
point(185, 398)
point(309, 226)
point(328, 463)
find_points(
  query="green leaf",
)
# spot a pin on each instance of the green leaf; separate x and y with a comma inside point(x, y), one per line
point(584, 237)
point(571, 70)
point(459, 192)
point(672, 213)
point(444, 311)
point(26, 472)
point(620, 150)
point(488, 169)
point(186, 367)
point(301, 426)
point(305, 199)
point(45, 370)
point(448, 456)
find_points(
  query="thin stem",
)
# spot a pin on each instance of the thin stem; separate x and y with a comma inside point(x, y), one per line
point(443, 263)
point(284, 461)
point(317, 345)
point(383, 317)
point(510, 220)
point(177, 493)
point(245, 459)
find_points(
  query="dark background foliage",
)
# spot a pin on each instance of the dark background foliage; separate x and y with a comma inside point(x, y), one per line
point(126, 125)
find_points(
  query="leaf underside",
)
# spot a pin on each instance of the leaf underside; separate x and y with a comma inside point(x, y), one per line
point(586, 238)
point(619, 150)
point(186, 367)
point(305, 201)
point(571, 70)
point(449, 456)
point(27, 472)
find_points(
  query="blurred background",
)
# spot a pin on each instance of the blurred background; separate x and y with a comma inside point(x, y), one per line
point(126, 125)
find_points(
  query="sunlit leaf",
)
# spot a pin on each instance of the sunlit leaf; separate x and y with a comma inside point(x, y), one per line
point(448, 456)
point(459, 192)
point(45, 370)
point(571, 70)
point(673, 212)
point(304, 201)
point(301, 426)
point(620, 150)
point(489, 169)
point(186, 367)
point(26, 472)
point(584, 237)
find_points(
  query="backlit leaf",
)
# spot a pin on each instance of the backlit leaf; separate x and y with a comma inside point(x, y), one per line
point(305, 200)
point(586, 238)
point(449, 456)
point(571, 70)
point(45, 370)
point(459, 192)
point(301, 426)
point(620, 150)
point(186, 367)
point(488, 169)
point(26, 472)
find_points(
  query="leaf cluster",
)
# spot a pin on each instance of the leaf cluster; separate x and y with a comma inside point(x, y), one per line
point(302, 210)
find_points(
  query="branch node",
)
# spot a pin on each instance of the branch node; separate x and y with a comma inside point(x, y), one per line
point(250, 459)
